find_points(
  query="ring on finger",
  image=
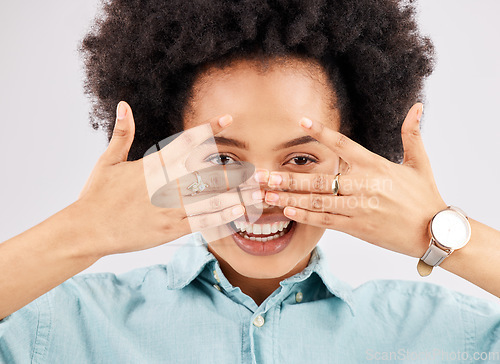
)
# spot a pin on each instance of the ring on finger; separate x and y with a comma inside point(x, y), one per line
point(336, 185)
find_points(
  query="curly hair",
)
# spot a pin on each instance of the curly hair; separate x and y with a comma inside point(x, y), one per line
point(150, 52)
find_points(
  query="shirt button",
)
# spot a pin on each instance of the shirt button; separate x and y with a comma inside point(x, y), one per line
point(298, 297)
point(258, 321)
point(217, 287)
point(216, 276)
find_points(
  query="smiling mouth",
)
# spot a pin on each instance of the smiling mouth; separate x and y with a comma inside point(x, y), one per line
point(262, 232)
point(263, 239)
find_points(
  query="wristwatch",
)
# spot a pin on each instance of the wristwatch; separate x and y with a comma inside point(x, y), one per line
point(450, 230)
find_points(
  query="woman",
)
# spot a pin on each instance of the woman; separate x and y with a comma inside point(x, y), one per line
point(300, 89)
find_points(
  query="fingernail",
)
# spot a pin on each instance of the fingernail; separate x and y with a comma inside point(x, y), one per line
point(305, 122)
point(420, 112)
point(257, 195)
point(238, 210)
point(275, 179)
point(121, 111)
point(225, 120)
point(261, 175)
point(290, 211)
point(271, 196)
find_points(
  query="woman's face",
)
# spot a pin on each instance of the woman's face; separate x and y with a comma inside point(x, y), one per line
point(266, 108)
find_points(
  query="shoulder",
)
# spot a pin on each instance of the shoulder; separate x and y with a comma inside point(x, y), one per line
point(108, 284)
point(417, 301)
point(427, 314)
point(424, 292)
point(102, 297)
point(134, 278)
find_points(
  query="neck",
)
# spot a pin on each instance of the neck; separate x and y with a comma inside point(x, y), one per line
point(257, 288)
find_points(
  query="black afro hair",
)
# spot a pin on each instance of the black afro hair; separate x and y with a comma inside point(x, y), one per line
point(149, 53)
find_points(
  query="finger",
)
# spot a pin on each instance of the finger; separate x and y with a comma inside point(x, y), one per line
point(219, 178)
point(414, 151)
point(344, 205)
point(204, 221)
point(222, 201)
point(193, 137)
point(311, 182)
point(320, 219)
point(123, 136)
point(165, 161)
point(182, 153)
point(200, 185)
point(344, 147)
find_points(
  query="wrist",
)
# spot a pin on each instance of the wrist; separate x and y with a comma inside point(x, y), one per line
point(81, 240)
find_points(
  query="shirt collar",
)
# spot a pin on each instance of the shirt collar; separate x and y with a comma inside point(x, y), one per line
point(191, 258)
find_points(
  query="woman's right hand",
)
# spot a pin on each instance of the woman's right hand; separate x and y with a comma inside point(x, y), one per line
point(115, 207)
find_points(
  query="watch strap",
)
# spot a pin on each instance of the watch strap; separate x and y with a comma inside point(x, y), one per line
point(424, 269)
point(434, 255)
point(431, 258)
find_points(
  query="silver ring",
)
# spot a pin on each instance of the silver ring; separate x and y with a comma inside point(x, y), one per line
point(197, 186)
point(336, 185)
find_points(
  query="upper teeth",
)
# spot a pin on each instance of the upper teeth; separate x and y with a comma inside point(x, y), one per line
point(261, 228)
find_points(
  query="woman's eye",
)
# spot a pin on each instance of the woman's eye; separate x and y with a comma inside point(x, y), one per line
point(224, 159)
point(221, 159)
point(303, 160)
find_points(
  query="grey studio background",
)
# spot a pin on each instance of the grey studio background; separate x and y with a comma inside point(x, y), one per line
point(48, 148)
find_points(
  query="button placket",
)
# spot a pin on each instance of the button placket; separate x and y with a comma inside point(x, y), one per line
point(258, 321)
point(216, 276)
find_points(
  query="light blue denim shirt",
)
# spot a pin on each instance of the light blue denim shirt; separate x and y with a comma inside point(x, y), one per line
point(187, 312)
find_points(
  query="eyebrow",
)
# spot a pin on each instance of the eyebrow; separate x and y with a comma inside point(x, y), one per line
point(220, 140)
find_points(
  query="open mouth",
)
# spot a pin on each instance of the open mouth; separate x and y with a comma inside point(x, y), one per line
point(263, 239)
point(262, 232)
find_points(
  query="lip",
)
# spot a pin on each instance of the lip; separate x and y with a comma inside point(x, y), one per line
point(260, 248)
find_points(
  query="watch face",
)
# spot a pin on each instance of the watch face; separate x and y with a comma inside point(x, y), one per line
point(450, 229)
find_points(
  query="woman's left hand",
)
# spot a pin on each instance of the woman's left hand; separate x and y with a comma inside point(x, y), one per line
point(381, 202)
